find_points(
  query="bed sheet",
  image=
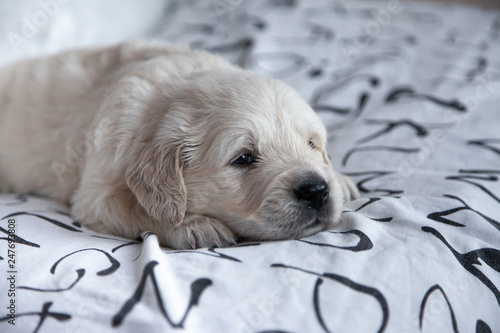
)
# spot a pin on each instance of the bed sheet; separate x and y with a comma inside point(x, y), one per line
point(410, 94)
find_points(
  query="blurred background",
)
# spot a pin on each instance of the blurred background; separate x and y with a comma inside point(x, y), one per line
point(31, 27)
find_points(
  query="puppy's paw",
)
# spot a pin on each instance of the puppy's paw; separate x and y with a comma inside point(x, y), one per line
point(197, 231)
point(348, 187)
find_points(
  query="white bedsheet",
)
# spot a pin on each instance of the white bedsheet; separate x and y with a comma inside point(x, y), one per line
point(410, 93)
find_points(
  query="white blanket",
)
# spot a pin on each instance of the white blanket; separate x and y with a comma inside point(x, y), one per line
point(410, 93)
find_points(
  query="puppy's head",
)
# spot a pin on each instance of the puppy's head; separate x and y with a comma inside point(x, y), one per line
point(243, 149)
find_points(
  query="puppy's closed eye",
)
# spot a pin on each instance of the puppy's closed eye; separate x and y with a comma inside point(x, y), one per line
point(244, 159)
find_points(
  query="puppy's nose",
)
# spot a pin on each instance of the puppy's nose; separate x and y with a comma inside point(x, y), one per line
point(313, 193)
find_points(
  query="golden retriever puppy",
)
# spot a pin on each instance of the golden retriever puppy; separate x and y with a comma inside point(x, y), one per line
point(149, 137)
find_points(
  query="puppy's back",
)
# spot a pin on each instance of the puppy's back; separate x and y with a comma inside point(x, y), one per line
point(49, 105)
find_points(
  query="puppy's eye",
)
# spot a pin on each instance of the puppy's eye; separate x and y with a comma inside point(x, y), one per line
point(245, 159)
point(311, 144)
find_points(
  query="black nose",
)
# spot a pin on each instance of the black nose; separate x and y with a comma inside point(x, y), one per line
point(313, 193)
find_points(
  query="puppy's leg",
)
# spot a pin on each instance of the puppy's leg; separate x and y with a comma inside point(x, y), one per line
point(348, 187)
point(197, 231)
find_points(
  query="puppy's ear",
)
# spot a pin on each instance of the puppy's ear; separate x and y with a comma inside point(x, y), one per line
point(155, 176)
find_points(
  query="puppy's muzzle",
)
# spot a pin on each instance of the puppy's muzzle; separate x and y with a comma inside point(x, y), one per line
point(314, 193)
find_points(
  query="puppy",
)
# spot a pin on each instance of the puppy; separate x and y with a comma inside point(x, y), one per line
point(143, 136)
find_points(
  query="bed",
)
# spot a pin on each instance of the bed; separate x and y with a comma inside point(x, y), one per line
point(410, 94)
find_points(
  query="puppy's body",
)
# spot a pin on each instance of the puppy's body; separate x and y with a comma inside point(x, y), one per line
point(50, 108)
point(144, 136)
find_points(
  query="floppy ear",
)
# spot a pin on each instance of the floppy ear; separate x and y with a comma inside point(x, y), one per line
point(155, 177)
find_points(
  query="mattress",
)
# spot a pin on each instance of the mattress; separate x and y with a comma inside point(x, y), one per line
point(410, 95)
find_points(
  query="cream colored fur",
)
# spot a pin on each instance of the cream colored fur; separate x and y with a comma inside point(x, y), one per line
point(142, 136)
